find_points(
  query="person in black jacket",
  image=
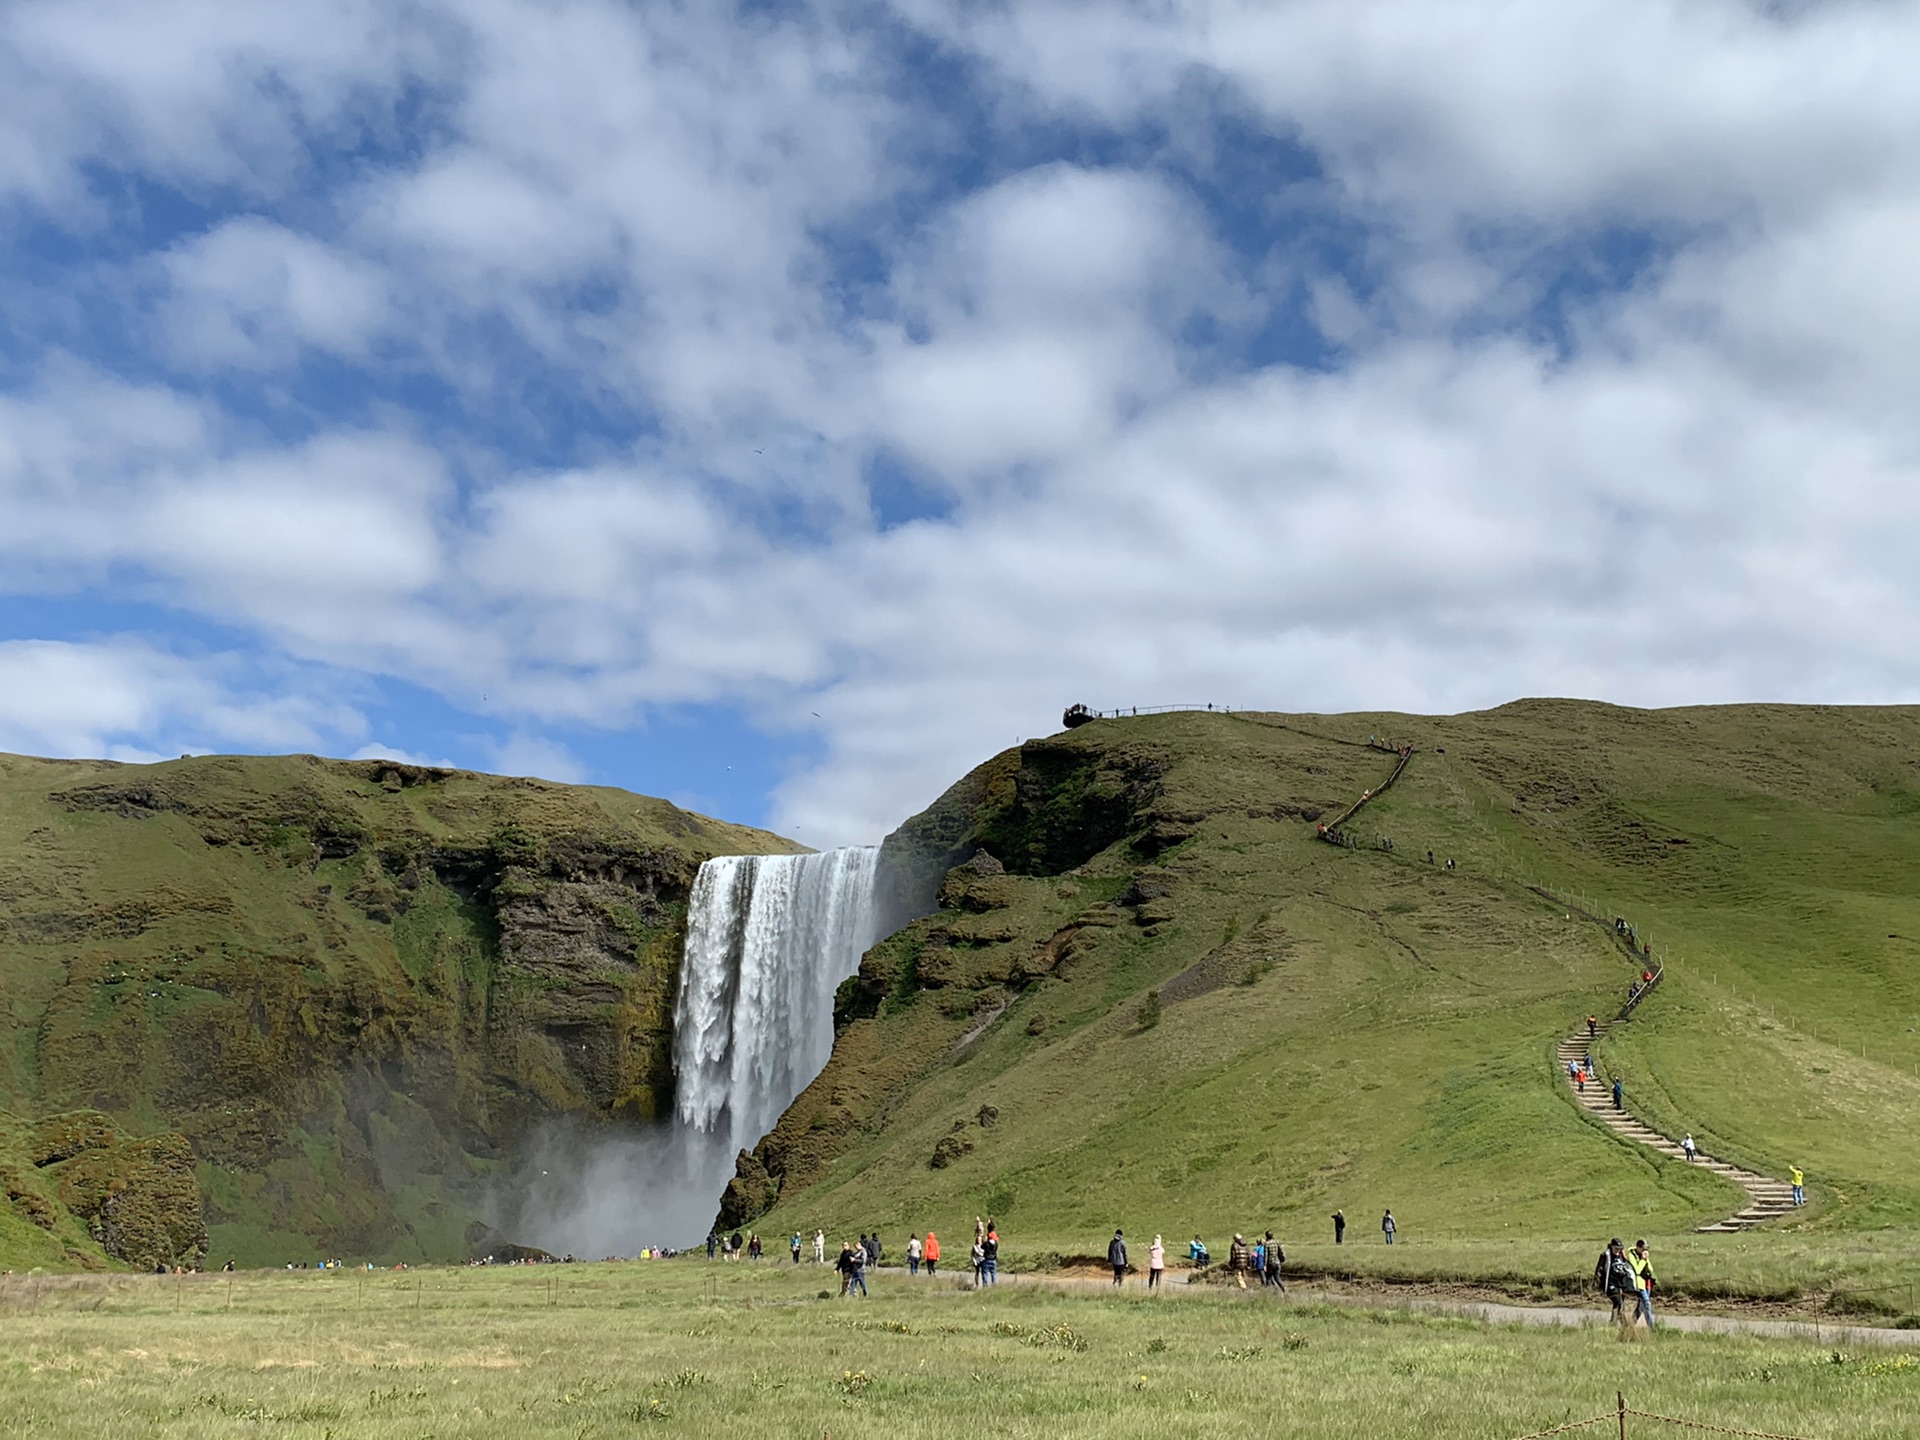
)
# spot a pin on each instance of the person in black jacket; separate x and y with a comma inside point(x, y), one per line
point(1117, 1257)
point(1614, 1274)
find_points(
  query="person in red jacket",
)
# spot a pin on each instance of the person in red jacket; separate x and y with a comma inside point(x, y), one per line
point(931, 1253)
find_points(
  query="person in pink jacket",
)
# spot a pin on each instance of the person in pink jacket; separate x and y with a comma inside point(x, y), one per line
point(1156, 1262)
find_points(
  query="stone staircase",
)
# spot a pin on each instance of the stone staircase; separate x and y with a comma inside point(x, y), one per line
point(1767, 1198)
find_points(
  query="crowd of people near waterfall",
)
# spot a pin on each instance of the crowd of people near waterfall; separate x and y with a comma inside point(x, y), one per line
point(1259, 1260)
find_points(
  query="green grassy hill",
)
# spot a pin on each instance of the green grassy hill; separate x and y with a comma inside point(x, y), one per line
point(348, 987)
point(1359, 1029)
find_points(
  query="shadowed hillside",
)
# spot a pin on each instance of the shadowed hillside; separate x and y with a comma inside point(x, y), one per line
point(334, 994)
point(1151, 997)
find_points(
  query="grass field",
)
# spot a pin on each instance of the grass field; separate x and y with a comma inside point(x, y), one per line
point(697, 1349)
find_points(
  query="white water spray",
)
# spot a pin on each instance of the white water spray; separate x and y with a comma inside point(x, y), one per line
point(769, 939)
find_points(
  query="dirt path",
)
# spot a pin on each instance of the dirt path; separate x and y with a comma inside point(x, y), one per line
point(1487, 1311)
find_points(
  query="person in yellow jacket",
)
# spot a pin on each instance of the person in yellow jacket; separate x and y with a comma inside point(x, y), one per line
point(1642, 1264)
point(1799, 1185)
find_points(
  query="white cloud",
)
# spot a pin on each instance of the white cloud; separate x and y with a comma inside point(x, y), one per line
point(117, 697)
point(537, 756)
point(1695, 483)
point(251, 293)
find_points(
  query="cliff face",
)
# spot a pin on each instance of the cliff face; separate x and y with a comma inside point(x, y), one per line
point(350, 988)
point(995, 871)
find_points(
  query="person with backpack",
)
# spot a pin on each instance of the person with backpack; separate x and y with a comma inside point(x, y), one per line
point(1276, 1257)
point(1117, 1257)
point(1388, 1227)
point(1613, 1274)
point(913, 1255)
point(858, 1276)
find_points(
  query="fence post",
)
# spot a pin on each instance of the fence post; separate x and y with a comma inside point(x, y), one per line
point(1621, 1396)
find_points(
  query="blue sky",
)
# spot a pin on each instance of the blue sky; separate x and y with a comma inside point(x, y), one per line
point(783, 407)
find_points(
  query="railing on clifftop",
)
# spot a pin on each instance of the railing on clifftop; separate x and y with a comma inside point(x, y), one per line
point(1081, 714)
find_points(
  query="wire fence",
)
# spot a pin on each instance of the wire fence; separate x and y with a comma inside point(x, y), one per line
point(1623, 1412)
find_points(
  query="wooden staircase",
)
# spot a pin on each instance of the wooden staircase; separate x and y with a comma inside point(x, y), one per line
point(1767, 1198)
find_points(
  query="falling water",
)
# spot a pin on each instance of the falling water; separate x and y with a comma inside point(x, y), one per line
point(769, 939)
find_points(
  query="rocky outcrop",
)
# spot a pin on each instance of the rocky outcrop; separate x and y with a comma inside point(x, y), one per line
point(137, 1197)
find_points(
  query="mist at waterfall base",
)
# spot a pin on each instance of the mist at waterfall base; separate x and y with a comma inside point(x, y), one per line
point(769, 940)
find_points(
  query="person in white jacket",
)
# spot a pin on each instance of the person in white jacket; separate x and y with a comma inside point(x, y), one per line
point(913, 1255)
point(819, 1247)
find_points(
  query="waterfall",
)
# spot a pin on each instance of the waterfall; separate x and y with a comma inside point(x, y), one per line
point(769, 939)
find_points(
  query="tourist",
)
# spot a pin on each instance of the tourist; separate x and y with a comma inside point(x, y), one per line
point(913, 1255)
point(794, 1245)
point(1237, 1256)
point(1156, 1262)
point(754, 1248)
point(990, 1256)
point(1117, 1257)
point(1643, 1277)
point(1387, 1226)
point(1593, 1026)
point(1276, 1257)
point(979, 1260)
point(1616, 1094)
point(713, 1243)
point(845, 1266)
point(1799, 1184)
point(931, 1253)
point(819, 1247)
point(733, 1248)
point(1197, 1254)
point(1686, 1144)
point(859, 1275)
point(1339, 1227)
point(1614, 1274)
point(1257, 1263)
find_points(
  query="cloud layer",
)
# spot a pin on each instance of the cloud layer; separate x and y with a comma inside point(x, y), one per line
point(893, 376)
